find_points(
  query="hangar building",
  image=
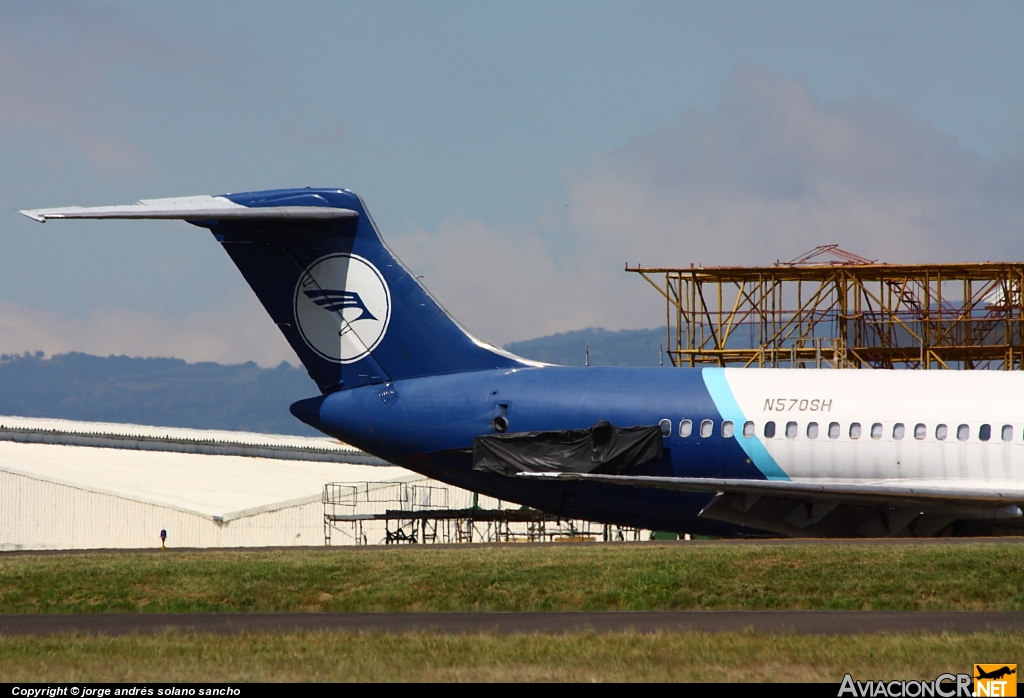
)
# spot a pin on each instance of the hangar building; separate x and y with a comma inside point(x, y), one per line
point(73, 485)
point(68, 485)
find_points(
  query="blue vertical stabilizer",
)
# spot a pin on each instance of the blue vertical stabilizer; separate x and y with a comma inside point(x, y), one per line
point(348, 307)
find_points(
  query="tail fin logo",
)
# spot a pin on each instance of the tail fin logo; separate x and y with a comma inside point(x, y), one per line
point(342, 307)
point(337, 301)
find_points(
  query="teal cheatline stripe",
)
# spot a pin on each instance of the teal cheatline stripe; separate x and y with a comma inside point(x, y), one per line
point(725, 401)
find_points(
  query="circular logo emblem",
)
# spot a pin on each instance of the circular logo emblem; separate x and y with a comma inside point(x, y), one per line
point(342, 307)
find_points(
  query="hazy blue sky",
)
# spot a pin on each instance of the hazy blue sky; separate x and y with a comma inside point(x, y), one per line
point(515, 154)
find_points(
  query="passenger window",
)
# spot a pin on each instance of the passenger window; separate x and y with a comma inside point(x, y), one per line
point(898, 430)
point(748, 429)
point(790, 430)
point(941, 432)
point(855, 430)
point(1007, 432)
point(727, 429)
point(876, 430)
point(833, 430)
point(685, 428)
point(985, 432)
point(962, 432)
point(812, 430)
point(666, 428)
point(769, 430)
point(920, 431)
point(706, 428)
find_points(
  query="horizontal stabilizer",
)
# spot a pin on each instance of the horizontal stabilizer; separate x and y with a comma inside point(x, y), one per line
point(192, 208)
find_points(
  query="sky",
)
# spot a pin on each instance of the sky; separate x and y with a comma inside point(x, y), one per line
point(517, 155)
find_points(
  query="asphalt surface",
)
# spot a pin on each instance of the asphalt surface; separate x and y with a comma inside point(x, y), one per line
point(797, 622)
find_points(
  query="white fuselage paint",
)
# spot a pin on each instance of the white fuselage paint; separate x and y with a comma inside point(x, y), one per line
point(868, 397)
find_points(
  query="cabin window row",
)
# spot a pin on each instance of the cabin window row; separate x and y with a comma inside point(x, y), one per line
point(811, 430)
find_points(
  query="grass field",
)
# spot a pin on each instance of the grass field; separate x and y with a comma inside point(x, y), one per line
point(980, 576)
point(511, 578)
point(740, 657)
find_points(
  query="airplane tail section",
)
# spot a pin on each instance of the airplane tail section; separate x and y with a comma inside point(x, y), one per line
point(348, 307)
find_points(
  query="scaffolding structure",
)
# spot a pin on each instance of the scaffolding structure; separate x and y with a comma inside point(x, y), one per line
point(393, 513)
point(844, 312)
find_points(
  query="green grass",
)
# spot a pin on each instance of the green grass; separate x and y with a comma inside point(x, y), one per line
point(513, 578)
point(741, 657)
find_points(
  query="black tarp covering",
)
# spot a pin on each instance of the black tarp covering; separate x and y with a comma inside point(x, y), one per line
point(602, 448)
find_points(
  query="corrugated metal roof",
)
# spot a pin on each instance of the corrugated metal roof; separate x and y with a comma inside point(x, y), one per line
point(210, 447)
point(220, 486)
point(233, 437)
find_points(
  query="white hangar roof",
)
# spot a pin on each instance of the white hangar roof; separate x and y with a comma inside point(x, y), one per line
point(220, 486)
point(237, 437)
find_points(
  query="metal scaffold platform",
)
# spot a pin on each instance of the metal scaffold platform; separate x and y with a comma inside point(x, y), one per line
point(397, 513)
point(831, 308)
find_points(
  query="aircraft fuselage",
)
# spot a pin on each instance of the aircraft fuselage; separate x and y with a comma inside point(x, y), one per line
point(428, 425)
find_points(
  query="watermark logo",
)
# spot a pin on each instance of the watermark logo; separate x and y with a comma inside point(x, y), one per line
point(988, 680)
point(995, 680)
point(342, 307)
point(943, 686)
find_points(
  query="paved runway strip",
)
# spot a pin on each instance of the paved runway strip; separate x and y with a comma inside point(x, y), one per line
point(799, 622)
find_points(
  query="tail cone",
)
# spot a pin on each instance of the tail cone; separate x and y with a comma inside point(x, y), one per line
point(308, 410)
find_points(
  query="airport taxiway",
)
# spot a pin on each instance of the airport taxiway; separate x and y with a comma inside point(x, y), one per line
point(797, 622)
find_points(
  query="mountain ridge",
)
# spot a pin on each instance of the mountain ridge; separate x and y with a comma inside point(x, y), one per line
point(236, 397)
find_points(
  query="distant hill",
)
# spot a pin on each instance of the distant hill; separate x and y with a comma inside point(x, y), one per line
point(239, 397)
point(622, 348)
point(161, 392)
